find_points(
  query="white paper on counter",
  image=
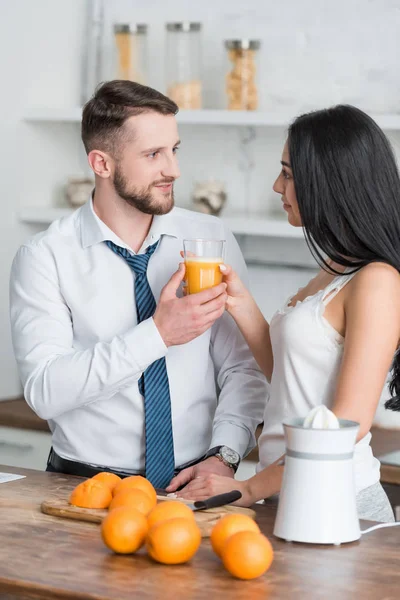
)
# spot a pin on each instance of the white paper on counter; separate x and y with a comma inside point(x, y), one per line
point(4, 477)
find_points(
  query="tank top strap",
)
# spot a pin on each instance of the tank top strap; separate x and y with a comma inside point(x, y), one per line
point(335, 286)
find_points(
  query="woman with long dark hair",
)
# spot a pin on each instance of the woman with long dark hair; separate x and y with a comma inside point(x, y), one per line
point(335, 341)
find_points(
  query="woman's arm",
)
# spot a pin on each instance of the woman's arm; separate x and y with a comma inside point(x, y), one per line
point(372, 311)
point(250, 320)
point(262, 485)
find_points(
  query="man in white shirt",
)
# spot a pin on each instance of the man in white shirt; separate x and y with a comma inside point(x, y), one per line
point(132, 376)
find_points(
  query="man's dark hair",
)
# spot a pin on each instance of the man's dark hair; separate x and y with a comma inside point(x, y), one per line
point(112, 104)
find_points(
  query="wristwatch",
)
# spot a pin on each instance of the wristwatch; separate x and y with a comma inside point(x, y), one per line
point(226, 455)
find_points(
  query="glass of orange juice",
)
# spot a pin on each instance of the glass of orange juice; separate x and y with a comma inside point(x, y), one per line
point(202, 260)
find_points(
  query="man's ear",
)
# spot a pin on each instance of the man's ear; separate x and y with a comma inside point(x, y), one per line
point(101, 163)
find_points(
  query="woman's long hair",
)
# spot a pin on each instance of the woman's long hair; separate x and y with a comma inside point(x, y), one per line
point(348, 191)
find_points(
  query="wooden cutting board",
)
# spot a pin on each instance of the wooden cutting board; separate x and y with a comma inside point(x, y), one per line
point(205, 519)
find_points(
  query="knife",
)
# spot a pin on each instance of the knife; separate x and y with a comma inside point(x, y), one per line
point(215, 501)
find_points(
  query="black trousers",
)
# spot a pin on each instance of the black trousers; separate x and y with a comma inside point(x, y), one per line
point(56, 464)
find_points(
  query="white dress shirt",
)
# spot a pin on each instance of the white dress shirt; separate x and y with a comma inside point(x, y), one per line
point(81, 352)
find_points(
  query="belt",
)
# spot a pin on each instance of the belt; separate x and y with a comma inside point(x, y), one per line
point(71, 467)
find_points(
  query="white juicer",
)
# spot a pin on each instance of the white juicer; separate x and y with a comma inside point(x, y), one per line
point(317, 502)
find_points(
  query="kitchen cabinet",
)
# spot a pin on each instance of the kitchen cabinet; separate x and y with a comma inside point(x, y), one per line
point(24, 448)
point(271, 286)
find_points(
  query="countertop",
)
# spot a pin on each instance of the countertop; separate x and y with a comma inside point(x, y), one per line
point(49, 557)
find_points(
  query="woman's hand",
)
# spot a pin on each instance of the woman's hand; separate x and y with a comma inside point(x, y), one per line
point(238, 294)
point(202, 488)
point(248, 317)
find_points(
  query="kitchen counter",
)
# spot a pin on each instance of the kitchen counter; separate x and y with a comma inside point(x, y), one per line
point(17, 413)
point(48, 557)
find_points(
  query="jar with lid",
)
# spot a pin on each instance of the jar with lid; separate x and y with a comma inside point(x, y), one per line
point(241, 79)
point(130, 52)
point(183, 64)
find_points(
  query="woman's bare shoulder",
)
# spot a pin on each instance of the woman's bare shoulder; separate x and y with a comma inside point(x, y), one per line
point(376, 278)
point(378, 272)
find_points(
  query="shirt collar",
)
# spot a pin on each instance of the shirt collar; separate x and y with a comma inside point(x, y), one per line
point(95, 231)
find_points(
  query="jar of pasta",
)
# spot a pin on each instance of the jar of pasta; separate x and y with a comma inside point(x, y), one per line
point(130, 52)
point(241, 79)
point(183, 64)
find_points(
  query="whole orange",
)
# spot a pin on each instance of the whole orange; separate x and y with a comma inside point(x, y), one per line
point(138, 482)
point(110, 479)
point(134, 498)
point(227, 526)
point(247, 554)
point(169, 509)
point(174, 541)
point(91, 494)
point(124, 530)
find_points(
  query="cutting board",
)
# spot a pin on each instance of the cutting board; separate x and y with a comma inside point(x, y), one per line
point(206, 519)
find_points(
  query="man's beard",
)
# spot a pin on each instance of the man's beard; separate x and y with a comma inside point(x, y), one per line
point(142, 199)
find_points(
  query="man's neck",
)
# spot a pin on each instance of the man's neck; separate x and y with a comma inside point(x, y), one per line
point(128, 223)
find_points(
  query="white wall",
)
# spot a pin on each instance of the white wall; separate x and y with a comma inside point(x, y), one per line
point(313, 54)
point(40, 45)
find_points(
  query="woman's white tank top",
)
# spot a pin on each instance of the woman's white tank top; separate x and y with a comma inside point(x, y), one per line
point(307, 356)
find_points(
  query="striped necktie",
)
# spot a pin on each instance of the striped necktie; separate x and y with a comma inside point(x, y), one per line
point(153, 384)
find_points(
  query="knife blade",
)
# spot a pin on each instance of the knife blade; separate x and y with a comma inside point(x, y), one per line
point(216, 501)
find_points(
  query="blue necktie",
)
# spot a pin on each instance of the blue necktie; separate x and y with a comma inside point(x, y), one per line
point(153, 384)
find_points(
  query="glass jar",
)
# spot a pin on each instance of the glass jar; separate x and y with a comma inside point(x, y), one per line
point(92, 55)
point(183, 64)
point(241, 79)
point(130, 52)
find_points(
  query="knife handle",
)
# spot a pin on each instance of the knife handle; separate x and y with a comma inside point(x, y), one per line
point(218, 500)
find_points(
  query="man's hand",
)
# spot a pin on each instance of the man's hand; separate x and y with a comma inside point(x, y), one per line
point(180, 320)
point(204, 468)
point(202, 488)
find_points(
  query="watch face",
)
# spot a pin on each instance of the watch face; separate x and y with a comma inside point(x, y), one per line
point(229, 455)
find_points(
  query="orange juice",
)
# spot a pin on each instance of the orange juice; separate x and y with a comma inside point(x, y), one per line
point(202, 273)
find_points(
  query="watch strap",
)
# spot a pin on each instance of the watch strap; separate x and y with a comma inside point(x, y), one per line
point(216, 452)
point(212, 452)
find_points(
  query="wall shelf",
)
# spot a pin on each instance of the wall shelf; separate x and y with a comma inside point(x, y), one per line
point(186, 117)
point(261, 225)
point(54, 115)
point(42, 215)
point(240, 224)
point(204, 117)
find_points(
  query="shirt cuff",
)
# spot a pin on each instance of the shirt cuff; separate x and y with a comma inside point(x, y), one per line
point(232, 435)
point(145, 344)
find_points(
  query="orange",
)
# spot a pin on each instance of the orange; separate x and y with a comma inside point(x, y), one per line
point(91, 494)
point(174, 541)
point(169, 509)
point(111, 479)
point(124, 530)
point(137, 481)
point(227, 526)
point(134, 498)
point(247, 554)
